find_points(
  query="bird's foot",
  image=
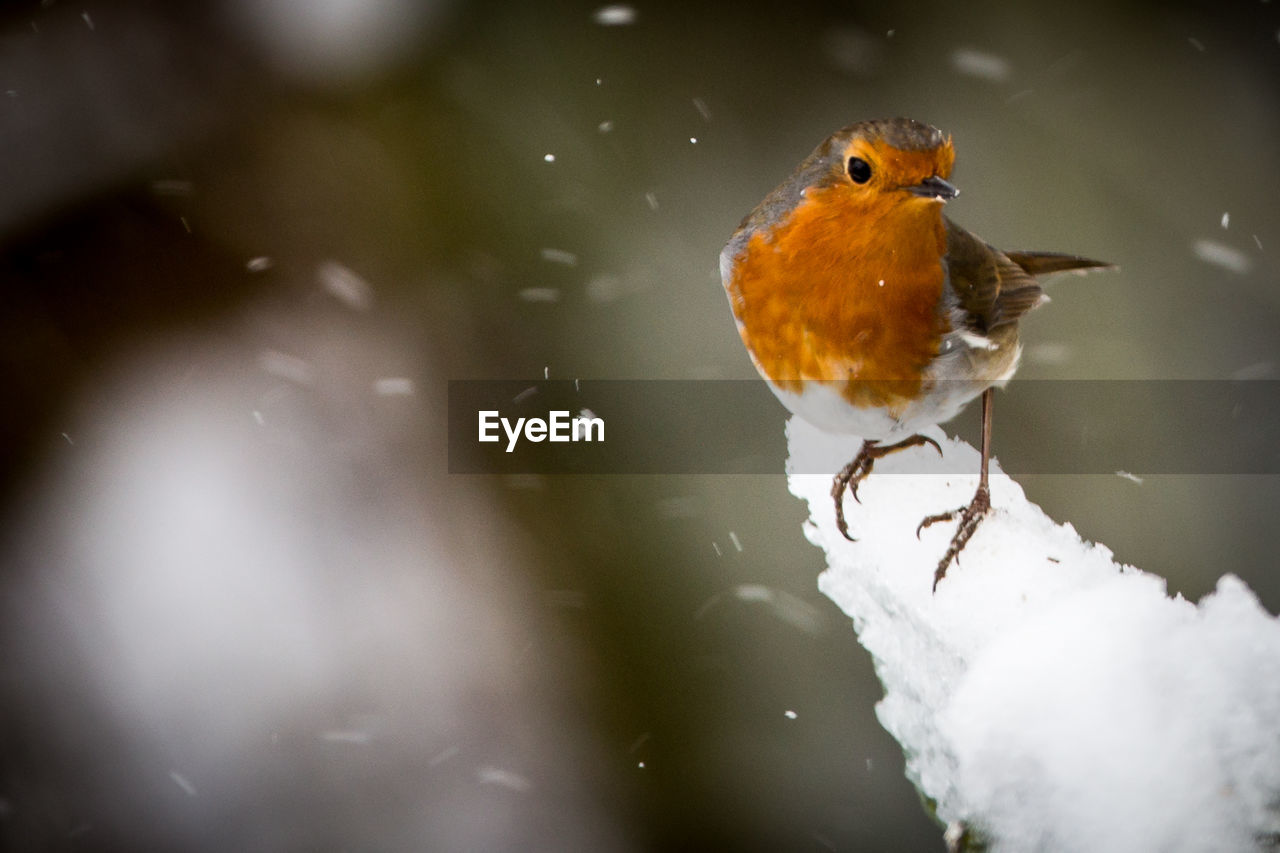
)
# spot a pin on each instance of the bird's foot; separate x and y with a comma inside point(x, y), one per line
point(848, 478)
point(858, 469)
point(969, 516)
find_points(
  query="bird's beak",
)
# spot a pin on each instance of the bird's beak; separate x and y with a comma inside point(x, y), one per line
point(934, 187)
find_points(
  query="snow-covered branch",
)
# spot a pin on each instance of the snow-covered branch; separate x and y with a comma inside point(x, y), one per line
point(1047, 697)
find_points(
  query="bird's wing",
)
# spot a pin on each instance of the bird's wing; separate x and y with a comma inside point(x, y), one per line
point(996, 288)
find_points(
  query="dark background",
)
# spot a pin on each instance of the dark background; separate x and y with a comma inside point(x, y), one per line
point(244, 604)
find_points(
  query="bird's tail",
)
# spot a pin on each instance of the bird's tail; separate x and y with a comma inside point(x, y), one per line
point(1042, 263)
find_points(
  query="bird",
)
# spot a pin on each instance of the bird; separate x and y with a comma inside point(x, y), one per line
point(870, 313)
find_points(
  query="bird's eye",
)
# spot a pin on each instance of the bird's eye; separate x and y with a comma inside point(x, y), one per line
point(859, 170)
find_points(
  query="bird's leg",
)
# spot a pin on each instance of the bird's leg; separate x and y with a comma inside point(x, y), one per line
point(860, 466)
point(972, 514)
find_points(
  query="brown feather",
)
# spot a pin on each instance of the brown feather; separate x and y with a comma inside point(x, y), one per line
point(975, 275)
point(997, 288)
point(1043, 263)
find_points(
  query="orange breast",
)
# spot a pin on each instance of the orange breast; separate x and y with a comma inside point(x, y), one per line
point(846, 292)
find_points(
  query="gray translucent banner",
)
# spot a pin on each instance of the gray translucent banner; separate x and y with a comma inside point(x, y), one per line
point(736, 427)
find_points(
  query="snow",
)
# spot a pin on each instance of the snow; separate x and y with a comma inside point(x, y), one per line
point(183, 782)
point(345, 285)
point(980, 64)
point(540, 294)
point(393, 386)
point(288, 367)
point(1256, 370)
point(503, 779)
point(784, 606)
point(1047, 352)
point(617, 15)
point(559, 256)
point(1222, 255)
point(1046, 696)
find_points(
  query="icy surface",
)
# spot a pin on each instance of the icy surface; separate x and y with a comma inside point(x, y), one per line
point(1047, 696)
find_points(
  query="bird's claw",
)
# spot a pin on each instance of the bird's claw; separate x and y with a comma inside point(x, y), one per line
point(859, 468)
point(848, 478)
point(837, 493)
point(970, 516)
point(924, 439)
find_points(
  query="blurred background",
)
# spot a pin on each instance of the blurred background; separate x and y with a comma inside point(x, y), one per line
point(244, 245)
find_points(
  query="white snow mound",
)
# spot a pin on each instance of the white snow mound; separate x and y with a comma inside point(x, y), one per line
point(1047, 696)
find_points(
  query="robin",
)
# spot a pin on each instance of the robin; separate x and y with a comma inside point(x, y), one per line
point(871, 313)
